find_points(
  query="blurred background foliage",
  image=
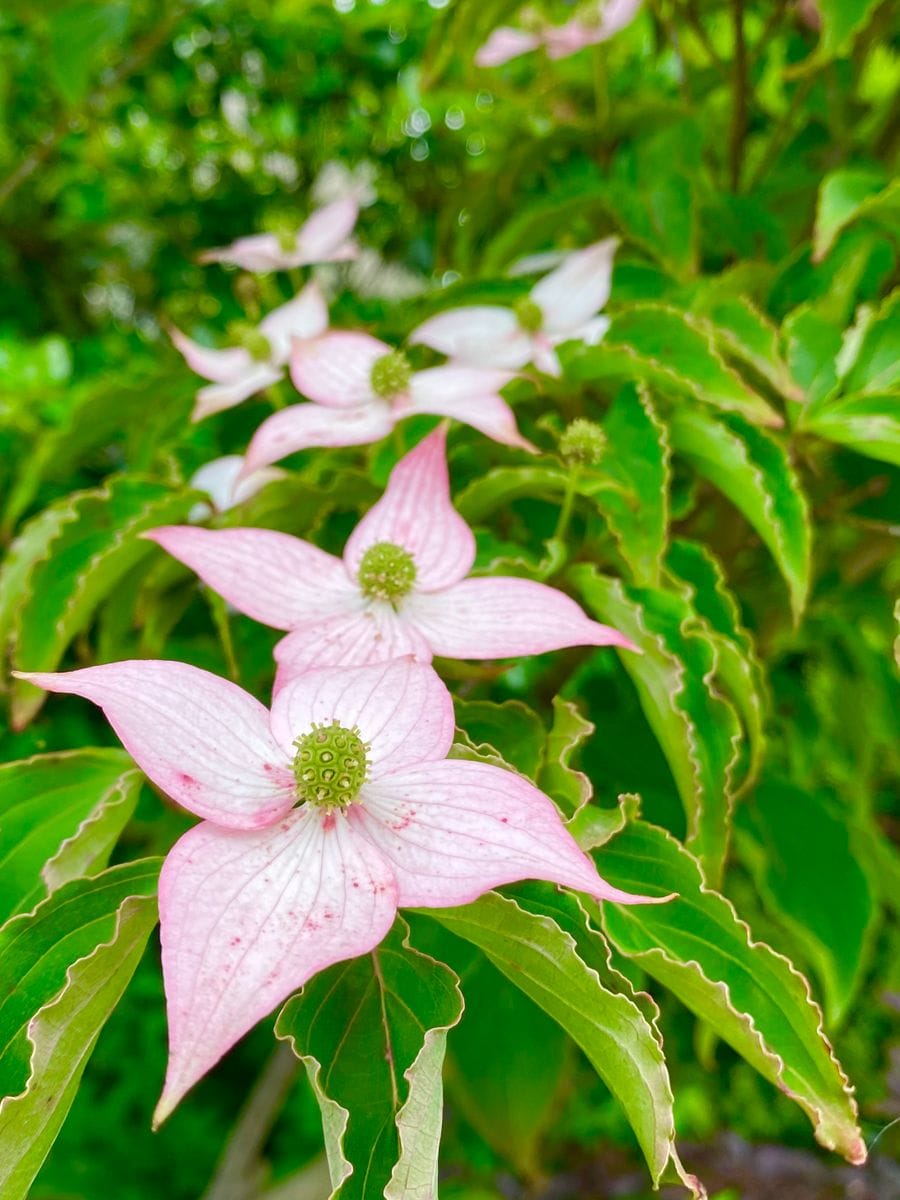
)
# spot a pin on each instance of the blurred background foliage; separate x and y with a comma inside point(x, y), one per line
point(753, 164)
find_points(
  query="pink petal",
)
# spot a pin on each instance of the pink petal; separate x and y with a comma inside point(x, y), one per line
point(248, 918)
point(220, 479)
point(220, 366)
point(504, 617)
point(304, 425)
point(617, 14)
point(578, 288)
point(372, 633)
point(306, 316)
point(464, 393)
point(217, 397)
point(326, 231)
point(416, 512)
point(401, 708)
point(272, 577)
point(336, 369)
point(562, 40)
point(503, 44)
point(202, 740)
point(259, 252)
point(479, 336)
point(453, 830)
point(545, 359)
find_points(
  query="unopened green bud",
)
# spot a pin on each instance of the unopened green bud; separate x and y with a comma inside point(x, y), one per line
point(582, 443)
point(528, 314)
point(242, 333)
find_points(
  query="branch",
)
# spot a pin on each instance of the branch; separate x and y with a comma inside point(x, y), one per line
point(739, 98)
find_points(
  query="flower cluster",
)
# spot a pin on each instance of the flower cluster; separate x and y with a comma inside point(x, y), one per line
point(322, 815)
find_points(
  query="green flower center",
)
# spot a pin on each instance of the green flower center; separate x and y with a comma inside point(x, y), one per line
point(242, 333)
point(386, 572)
point(582, 443)
point(330, 765)
point(528, 314)
point(391, 375)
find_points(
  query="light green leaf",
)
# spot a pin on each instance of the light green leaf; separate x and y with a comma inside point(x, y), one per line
point(753, 998)
point(94, 546)
point(63, 969)
point(636, 461)
point(511, 729)
point(674, 351)
point(875, 363)
point(569, 787)
point(743, 332)
point(699, 574)
point(542, 959)
point(868, 423)
point(697, 728)
point(500, 486)
point(753, 470)
point(812, 345)
point(851, 195)
point(60, 816)
point(372, 1034)
point(78, 33)
point(797, 844)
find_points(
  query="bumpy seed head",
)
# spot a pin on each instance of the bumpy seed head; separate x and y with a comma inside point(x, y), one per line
point(242, 333)
point(582, 443)
point(528, 314)
point(284, 226)
point(330, 765)
point(391, 375)
point(386, 572)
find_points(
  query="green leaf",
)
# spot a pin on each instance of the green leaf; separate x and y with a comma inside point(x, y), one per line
point(78, 33)
point(542, 959)
point(505, 1090)
point(500, 486)
point(852, 195)
point(798, 845)
point(753, 998)
point(696, 727)
point(511, 729)
point(95, 545)
point(63, 969)
point(570, 788)
point(876, 361)
point(700, 575)
point(812, 345)
point(867, 423)
point(743, 332)
point(30, 547)
point(636, 460)
point(60, 816)
point(674, 351)
point(753, 470)
point(372, 1034)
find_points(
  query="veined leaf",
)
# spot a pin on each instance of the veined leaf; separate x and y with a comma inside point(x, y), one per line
point(753, 998)
point(502, 485)
point(372, 1034)
point(511, 729)
point(753, 470)
point(558, 778)
point(866, 422)
point(812, 345)
point(636, 460)
point(742, 331)
point(875, 365)
point(60, 816)
point(63, 969)
point(94, 547)
point(700, 573)
point(797, 845)
point(542, 959)
point(851, 195)
point(673, 350)
point(696, 727)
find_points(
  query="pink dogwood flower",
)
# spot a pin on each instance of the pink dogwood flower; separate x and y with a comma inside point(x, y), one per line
point(558, 41)
point(238, 372)
point(561, 307)
point(323, 237)
point(401, 587)
point(320, 819)
point(361, 387)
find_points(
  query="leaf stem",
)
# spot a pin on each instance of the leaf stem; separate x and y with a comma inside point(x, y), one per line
point(568, 503)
